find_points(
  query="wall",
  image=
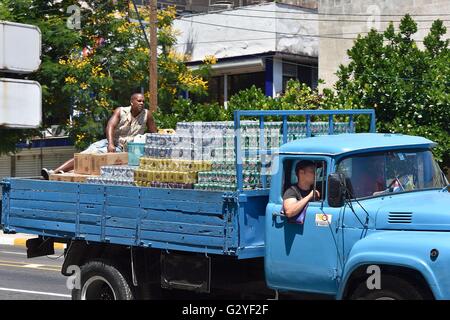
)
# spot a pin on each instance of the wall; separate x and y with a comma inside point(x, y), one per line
point(197, 6)
point(29, 162)
point(334, 51)
point(241, 32)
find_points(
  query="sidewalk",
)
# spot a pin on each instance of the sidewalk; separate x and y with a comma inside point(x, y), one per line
point(20, 239)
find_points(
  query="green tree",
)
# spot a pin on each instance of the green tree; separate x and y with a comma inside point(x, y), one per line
point(407, 86)
point(92, 70)
point(116, 64)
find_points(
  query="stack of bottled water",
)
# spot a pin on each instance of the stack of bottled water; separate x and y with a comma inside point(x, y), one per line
point(214, 142)
point(201, 155)
point(114, 175)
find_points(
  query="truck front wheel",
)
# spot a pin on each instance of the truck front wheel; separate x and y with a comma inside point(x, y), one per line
point(392, 288)
point(101, 281)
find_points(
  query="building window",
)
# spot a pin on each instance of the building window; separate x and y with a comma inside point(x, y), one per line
point(235, 83)
point(307, 74)
point(239, 82)
point(289, 72)
point(215, 90)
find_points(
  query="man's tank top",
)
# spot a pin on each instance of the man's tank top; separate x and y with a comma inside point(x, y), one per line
point(129, 126)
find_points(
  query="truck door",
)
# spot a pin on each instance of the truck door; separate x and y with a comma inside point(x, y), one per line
point(302, 255)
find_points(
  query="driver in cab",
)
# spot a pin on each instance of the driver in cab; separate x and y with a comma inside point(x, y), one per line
point(296, 197)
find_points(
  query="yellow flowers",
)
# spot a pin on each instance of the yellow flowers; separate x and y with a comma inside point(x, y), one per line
point(145, 50)
point(189, 79)
point(83, 85)
point(168, 13)
point(79, 137)
point(169, 31)
point(210, 59)
point(123, 28)
point(81, 63)
point(116, 15)
point(96, 72)
point(126, 64)
point(173, 55)
point(103, 103)
point(77, 63)
point(70, 80)
point(169, 65)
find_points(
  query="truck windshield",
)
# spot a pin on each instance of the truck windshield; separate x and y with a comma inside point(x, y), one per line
point(396, 171)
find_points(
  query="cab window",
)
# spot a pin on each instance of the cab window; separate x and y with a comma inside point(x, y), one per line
point(290, 176)
point(393, 171)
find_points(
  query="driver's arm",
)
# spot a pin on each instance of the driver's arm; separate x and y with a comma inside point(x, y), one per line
point(292, 206)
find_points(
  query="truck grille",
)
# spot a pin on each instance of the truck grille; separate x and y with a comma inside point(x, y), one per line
point(400, 217)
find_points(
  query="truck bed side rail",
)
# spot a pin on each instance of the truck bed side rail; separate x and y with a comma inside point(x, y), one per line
point(284, 114)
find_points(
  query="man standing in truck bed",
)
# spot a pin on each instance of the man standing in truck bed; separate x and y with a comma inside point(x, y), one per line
point(123, 126)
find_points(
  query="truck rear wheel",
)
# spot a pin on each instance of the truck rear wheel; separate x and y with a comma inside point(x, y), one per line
point(101, 281)
point(392, 288)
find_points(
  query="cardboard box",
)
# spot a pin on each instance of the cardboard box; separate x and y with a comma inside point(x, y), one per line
point(83, 163)
point(107, 159)
point(90, 163)
point(69, 177)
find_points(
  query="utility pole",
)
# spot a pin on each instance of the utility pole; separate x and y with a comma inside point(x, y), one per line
point(153, 64)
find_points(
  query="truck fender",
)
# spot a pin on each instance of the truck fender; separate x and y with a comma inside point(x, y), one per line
point(382, 250)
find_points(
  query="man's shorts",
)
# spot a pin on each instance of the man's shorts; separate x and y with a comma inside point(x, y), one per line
point(100, 147)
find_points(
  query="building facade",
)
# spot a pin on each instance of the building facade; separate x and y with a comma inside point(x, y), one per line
point(31, 157)
point(204, 6)
point(263, 45)
point(340, 21)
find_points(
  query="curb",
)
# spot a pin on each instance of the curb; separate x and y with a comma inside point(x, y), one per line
point(21, 242)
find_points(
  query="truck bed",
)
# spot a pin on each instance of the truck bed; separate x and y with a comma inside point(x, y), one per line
point(173, 219)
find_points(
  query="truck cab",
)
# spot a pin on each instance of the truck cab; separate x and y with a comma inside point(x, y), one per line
point(380, 229)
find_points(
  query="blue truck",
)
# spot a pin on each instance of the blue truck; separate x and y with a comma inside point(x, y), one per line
point(380, 229)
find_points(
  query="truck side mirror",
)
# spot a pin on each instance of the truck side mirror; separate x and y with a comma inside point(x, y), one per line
point(336, 190)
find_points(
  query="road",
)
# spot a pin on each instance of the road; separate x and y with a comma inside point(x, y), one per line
point(31, 279)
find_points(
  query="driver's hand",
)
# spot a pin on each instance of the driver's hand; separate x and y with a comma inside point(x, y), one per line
point(314, 196)
point(111, 148)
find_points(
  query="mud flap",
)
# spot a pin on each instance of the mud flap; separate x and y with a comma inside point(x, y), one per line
point(38, 247)
point(186, 272)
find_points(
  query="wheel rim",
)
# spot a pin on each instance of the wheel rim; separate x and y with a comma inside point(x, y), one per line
point(97, 288)
point(385, 298)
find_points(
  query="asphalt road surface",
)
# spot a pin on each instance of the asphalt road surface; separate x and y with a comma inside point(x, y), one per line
point(31, 279)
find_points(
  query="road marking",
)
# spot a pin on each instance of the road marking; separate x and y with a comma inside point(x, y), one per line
point(22, 266)
point(29, 266)
point(11, 252)
point(33, 265)
point(6, 241)
point(24, 254)
point(38, 292)
point(21, 242)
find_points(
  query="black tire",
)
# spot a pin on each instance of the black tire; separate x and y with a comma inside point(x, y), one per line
point(102, 281)
point(392, 288)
